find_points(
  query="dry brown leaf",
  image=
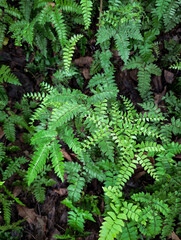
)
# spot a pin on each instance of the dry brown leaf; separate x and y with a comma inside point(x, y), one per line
point(1, 132)
point(17, 190)
point(27, 213)
point(158, 97)
point(83, 61)
point(86, 73)
point(139, 175)
point(133, 74)
point(169, 76)
point(174, 236)
point(66, 155)
point(158, 83)
point(61, 191)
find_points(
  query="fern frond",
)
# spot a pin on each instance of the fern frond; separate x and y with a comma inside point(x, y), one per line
point(144, 79)
point(147, 165)
point(7, 76)
point(9, 130)
point(26, 7)
point(13, 167)
point(77, 216)
point(58, 22)
point(38, 190)
point(161, 7)
point(6, 210)
point(112, 226)
point(73, 142)
point(2, 152)
point(86, 6)
point(76, 186)
point(125, 172)
point(2, 33)
point(65, 113)
point(69, 50)
point(12, 11)
point(122, 45)
point(104, 34)
point(129, 232)
point(70, 6)
point(43, 137)
point(57, 159)
point(38, 161)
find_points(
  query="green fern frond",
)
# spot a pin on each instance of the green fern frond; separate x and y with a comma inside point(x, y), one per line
point(69, 50)
point(57, 159)
point(12, 11)
point(65, 113)
point(7, 76)
point(58, 22)
point(161, 7)
point(37, 163)
point(73, 142)
point(2, 33)
point(171, 16)
point(6, 210)
point(125, 172)
point(122, 45)
point(76, 186)
point(86, 6)
point(44, 15)
point(70, 6)
point(26, 7)
point(40, 3)
point(77, 216)
point(13, 167)
point(2, 152)
point(38, 190)
point(147, 165)
point(9, 130)
point(129, 232)
point(144, 79)
point(157, 204)
point(104, 34)
point(112, 226)
point(176, 66)
point(43, 137)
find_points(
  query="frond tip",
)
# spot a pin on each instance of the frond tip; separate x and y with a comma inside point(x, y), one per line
point(69, 50)
point(86, 6)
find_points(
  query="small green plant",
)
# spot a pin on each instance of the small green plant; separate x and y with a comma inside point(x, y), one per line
point(110, 139)
point(104, 131)
point(40, 23)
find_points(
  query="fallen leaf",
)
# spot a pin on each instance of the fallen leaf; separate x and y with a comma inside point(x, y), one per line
point(158, 97)
point(158, 83)
point(1, 132)
point(66, 155)
point(169, 76)
point(27, 213)
point(174, 236)
point(139, 175)
point(17, 190)
point(61, 191)
point(86, 73)
point(83, 61)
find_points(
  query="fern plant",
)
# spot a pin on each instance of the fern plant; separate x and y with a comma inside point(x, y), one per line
point(7, 117)
point(34, 22)
point(127, 25)
point(110, 139)
point(5, 204)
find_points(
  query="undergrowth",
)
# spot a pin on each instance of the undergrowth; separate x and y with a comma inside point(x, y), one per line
point(108, 137)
